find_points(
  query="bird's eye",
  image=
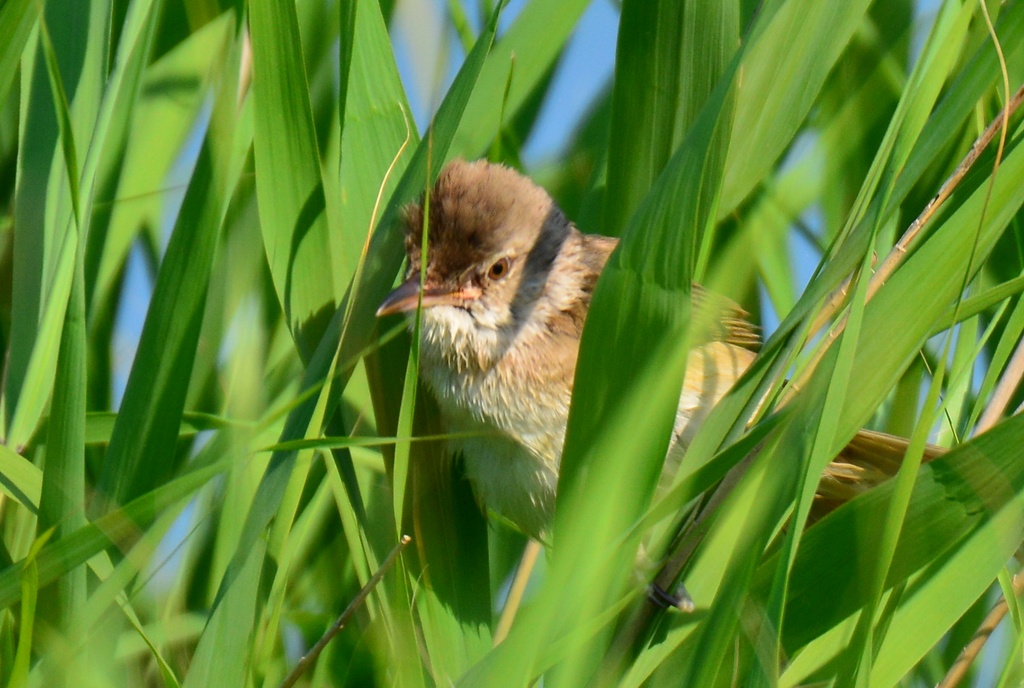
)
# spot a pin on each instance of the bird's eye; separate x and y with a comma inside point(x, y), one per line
point(499, 269)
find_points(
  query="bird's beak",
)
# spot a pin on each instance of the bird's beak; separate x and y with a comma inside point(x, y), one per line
point(406, 296)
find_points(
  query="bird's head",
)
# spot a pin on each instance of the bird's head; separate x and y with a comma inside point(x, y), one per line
point(492, 238)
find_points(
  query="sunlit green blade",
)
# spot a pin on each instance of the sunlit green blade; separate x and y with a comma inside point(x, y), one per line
point(120, 525)
point(876, 332)
point(868, 382)
point(17, 18)
point(979, 303)
point(68, 63)
point(670, 56)
point(29, 597)
point(1004, 349)
point(783, 69)
point(141, 453)
point(917, 295)
point(960, 101)
point(117, 99)
point(639, 315)
point(377, 140)
point(911, 113)
point(275, 481)
point(62, 498)
point(19, 479)
point(40, 366)
point(454, 616)
point(274, 486)
point(968, 497)
point(163, 115)
point(274, 466)
point(377, 136)
point(292, 553)
point(857, 101)
point(288, 180)
point(944, 124)
point(222, 660)
point(62, 501)
point(111, 591)
point(535, 38)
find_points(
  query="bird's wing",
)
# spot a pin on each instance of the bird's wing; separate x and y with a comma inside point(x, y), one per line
point(597, 250)
point(729, 323)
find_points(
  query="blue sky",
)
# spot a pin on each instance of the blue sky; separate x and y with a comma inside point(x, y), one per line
point(428, 56)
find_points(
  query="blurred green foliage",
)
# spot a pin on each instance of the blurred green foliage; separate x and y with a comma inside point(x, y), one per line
point(198, 509)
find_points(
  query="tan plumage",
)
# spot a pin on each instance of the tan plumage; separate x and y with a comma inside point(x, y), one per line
point(508, 285)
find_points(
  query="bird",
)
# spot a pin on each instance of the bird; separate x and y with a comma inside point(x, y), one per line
point(506, 290)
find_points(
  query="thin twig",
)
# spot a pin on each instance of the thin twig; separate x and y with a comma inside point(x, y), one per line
point(971, 650)
point(1000, 398)
point(836, 299)
point(1004, 390)
point(899, 251)
point(336, 627)
point(516, 590)
point(365, 251)
point(997, 405)
point(1014, 371)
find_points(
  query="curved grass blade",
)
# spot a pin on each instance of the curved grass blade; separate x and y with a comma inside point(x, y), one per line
point(17, 18)
point(670, 56)
point(533, 41)
point(289, 186)
point(963, 521)
point(118, 526)
point(141, 453)
point(333, 347)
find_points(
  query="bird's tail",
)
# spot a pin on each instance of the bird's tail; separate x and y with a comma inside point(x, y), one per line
point(869, 459)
